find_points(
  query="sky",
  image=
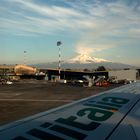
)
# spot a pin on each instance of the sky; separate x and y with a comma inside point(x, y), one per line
point(108, 29)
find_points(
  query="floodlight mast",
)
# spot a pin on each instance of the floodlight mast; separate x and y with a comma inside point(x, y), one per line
point(59, 63)
point(25, 52)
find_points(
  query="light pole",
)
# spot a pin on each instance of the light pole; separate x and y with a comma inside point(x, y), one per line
point(25, 57)
point(59, 63)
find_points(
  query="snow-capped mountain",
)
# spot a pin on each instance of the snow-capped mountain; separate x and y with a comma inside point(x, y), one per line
point(85, 59)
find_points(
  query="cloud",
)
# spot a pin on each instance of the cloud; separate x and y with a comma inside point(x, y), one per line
point(52, 11)
point(43, 19)
point(88, 48)
point(95, 19)
point(92, 27)
point(84, 49)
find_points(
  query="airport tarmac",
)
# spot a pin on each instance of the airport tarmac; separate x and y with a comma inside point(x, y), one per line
point(26, 98)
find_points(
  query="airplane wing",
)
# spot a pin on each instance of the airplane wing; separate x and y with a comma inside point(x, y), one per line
point(111, 115)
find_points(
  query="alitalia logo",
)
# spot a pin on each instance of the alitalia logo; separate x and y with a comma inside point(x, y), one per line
point(72, 126)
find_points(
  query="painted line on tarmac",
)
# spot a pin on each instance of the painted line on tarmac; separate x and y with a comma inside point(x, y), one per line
point(32, 100)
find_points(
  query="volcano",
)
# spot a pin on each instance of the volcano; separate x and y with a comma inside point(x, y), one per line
point(86, 59)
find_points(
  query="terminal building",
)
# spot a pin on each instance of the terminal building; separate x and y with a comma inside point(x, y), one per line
point(130, 75)
point(68, 74)
point(118, 75)
point(74, 74)
point(7, 70)
point(20, 72)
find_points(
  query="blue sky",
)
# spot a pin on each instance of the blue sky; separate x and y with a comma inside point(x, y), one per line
point(108, 29)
